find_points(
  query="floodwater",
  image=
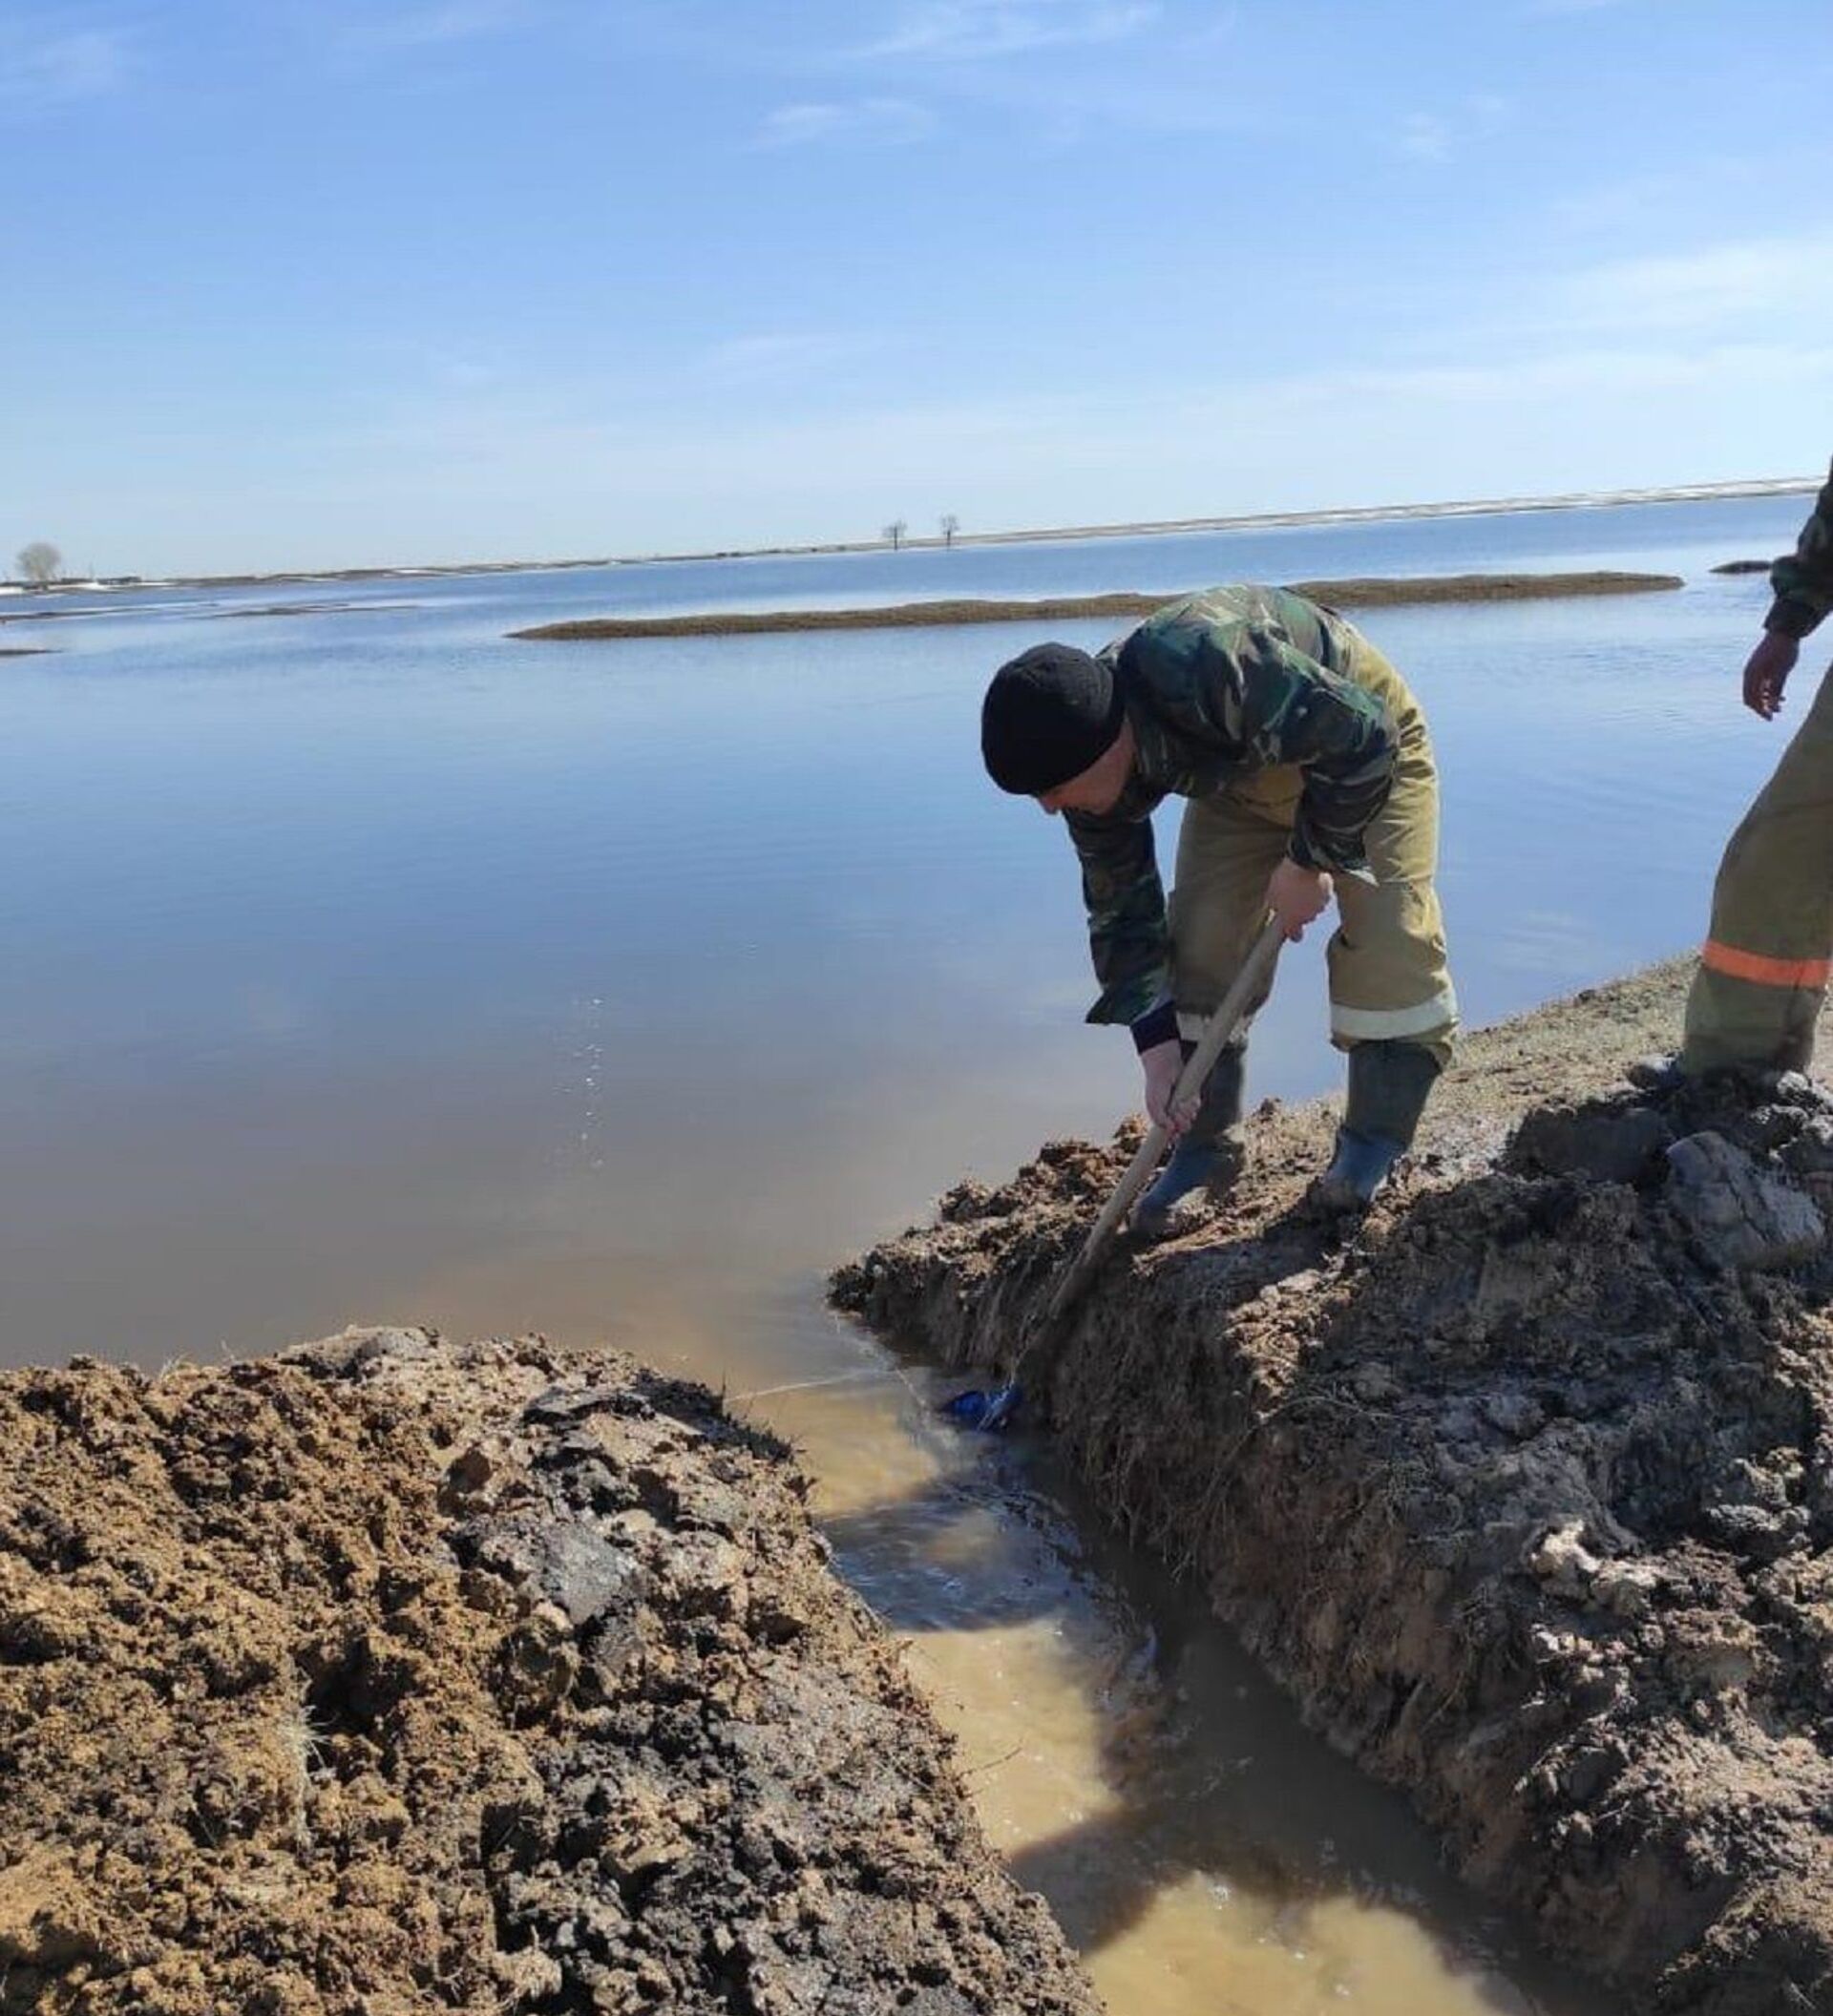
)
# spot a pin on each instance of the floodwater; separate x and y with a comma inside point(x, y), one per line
point(365, 965)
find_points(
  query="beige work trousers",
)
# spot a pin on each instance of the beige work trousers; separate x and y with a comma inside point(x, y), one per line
point(1764, 969)
point(1389, 979)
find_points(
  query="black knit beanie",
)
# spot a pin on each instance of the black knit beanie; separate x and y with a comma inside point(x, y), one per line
point(1048, 714)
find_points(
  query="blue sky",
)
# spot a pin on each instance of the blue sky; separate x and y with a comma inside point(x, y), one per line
point(319, 283)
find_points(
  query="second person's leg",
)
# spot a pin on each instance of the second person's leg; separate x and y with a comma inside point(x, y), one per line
point(1756, 998)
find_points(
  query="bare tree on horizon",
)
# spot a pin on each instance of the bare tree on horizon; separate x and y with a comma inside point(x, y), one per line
point(894, 531)
point(40, 564)
point(949, 525)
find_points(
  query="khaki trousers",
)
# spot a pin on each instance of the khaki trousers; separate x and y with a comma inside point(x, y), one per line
point(1762, 972)
point(1389, 980)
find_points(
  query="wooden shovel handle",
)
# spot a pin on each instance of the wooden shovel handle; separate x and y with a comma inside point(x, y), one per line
point(1216, 1032)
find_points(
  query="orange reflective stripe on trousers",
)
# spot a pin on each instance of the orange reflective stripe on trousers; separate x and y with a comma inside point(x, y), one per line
point(1763, 971)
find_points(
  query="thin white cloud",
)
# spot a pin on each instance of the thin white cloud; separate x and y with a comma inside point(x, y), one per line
point(551, 466)
point(874, 122)
point(1162, 81)
point(1709, 298)
point(1584, 418)
point(428, 27)
point(1761, 286)
point(1635, 203)
point(1631, 374)
point(981, 31)
point(1438, 135)
point(464, 376)
point(60, 68)
point(745, 360)
point(1425, 137)
point(1643, 208)
point(1217, 28)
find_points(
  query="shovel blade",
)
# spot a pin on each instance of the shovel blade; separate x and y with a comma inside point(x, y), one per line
point(984, 1412)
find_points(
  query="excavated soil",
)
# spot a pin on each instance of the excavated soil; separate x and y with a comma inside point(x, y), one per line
point(392, 1677)
point(1523, 1487)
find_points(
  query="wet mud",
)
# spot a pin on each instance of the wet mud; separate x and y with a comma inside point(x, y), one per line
point(392, 1675)
point(1523, 1487)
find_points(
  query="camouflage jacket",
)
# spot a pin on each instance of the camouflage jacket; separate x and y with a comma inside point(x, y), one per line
point(1803, 579)
point(1218, 686)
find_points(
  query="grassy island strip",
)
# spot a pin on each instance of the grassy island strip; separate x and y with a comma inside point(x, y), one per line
point(1364, 594)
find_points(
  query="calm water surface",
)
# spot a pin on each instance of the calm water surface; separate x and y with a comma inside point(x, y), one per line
point(365, 965)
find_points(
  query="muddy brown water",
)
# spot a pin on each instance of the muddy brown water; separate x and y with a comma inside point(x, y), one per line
point(391, 972)
point(1202, 1850)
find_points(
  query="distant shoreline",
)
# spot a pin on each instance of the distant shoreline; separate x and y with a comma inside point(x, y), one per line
point(1146, 528)
point(1363, 593)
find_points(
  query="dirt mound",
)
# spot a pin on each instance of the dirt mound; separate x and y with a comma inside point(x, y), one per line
point(1525, 1492)
point(392, 1677)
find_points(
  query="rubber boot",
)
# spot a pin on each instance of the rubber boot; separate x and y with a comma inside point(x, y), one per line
point(1360, 1166)
point(1389, 1085)
point(1659, 1074)
point(1210, 1157)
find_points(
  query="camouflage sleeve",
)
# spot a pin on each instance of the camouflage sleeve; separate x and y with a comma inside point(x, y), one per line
point(1803, 579)
point(1289, 708)
point(1125, 904)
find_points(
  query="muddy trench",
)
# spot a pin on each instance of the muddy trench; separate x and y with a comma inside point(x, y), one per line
point(1523, 1488)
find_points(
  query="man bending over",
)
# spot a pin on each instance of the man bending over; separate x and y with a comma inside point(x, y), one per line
point(1308, 772)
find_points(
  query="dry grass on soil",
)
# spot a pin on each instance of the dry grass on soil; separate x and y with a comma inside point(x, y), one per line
point(1358, 594)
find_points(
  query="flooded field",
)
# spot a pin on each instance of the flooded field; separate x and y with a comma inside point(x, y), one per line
point(367, 965)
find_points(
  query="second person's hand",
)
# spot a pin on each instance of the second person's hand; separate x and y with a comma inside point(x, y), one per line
point(1766, 672)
